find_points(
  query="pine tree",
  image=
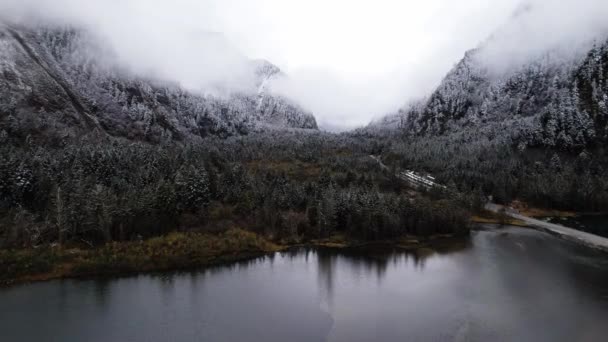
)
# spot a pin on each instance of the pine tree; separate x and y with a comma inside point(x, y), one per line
point(59, 214)
point(192, 188)
point(556, 163)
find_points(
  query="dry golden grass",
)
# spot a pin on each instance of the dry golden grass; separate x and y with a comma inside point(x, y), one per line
point(526, 210)
point(488, 217)
point(171, 252)
point(538, 212)
point(298, 170)
point(509, 222)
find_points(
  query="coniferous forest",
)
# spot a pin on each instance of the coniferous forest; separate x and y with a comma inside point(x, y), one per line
point(272, 170)
point(278, 185)
point(94, 154)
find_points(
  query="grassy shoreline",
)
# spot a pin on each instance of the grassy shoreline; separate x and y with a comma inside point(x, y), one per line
point(173, 252)
point(176, 251)
point(488, 217)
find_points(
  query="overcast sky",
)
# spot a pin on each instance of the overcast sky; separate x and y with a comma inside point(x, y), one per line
point(348, 60)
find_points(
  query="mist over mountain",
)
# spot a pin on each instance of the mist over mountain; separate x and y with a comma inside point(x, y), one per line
point(531, 83)
point(564, 29)
point(382, 54)
point(60, 81)
point(159, 136)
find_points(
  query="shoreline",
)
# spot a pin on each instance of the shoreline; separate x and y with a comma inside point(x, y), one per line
point(490, 217)
point(193, 250)
point(176, 252)
point(565, 233)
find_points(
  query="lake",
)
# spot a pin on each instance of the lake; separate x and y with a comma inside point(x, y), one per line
point(594, 224)
point(501, 285)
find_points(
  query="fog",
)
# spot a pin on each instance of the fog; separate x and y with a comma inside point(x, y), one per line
point(152, 38)
point(347, 61)
point(566, 28)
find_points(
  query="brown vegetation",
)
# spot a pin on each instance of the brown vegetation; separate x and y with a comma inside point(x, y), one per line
point(171, 252)
point(489, 217)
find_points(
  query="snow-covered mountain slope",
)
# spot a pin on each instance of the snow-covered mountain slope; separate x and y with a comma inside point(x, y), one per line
point(273, 109)
point(53, 86)
point(556, 97)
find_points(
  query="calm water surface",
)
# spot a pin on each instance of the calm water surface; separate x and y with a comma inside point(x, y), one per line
point(594, 224)
point(509, 285)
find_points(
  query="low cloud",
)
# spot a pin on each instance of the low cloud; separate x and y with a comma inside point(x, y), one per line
point(565, 28)
point(342, 103)
point(161, 39)
point(347, 61)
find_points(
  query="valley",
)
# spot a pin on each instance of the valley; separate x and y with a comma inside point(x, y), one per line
point(94, 155)
point(303, 171)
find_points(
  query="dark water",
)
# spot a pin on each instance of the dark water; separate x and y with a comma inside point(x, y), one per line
point(594, 224)
point(512, 285)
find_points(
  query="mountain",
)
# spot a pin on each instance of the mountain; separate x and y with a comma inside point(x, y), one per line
point(276, 110)
point(514, 120)
point(54, 85)
point(556, 98)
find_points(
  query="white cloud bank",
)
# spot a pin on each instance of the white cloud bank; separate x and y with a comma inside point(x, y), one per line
point(348, 60)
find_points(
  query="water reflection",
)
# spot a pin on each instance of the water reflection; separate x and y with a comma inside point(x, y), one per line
point(374, 260)
point(594, 224)
point(499, 285)
point(101, 289)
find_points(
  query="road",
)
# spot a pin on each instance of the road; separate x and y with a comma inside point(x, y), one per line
point(576, 236)
point(566, 233)
point(410, 176)
point(377, 159)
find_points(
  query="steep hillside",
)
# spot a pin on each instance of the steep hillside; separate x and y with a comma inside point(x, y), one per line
point(514, 124)
point(54, 86)
point(556, 99)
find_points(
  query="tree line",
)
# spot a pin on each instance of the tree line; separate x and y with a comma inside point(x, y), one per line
point(292, 186)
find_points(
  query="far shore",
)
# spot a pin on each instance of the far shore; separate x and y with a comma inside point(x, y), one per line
point(174, 252)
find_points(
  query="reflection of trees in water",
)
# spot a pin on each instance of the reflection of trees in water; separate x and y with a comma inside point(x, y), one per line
point(101, 288)
point(97, 288)
point(233, 266)
point(326, 261)
point(63, 293)
point(167, 288)
point(373, 260)
point(370, 261)
point(296, 253)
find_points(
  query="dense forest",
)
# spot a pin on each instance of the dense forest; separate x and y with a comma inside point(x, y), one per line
point(541, 177)
point(534, 132)
point(291, 187)
point(91, 154)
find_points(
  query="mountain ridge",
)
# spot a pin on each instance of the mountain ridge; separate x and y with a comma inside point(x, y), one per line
point(55, 87)
point(537, 104)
